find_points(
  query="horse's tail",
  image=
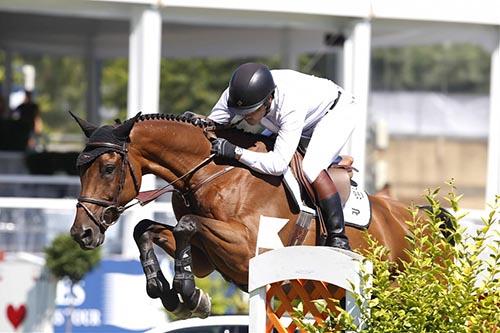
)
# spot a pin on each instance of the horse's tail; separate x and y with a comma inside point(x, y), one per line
point(448, 228)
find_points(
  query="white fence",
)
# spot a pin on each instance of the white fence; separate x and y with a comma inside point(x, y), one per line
point(30, 224)
point(283, 276)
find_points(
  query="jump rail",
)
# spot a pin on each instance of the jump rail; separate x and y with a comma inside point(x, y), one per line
point(280, 277)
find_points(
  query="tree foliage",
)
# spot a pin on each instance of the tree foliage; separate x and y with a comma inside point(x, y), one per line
point(185, 84)
point(442, 288)
point(195, 84)
point(226, 297)
point(65, 258)
point(445, 68)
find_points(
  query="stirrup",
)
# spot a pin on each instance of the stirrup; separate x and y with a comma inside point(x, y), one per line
point(338, 242)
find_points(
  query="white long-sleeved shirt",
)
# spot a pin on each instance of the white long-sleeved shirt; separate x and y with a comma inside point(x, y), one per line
point(300, 101)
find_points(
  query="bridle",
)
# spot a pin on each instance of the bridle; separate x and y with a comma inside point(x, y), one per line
point(111, 208)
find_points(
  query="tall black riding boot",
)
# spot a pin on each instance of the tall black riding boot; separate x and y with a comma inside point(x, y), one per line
point(331, 209)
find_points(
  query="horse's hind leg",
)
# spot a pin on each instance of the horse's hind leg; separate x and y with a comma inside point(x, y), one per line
point(145, 233)
point(194, 301)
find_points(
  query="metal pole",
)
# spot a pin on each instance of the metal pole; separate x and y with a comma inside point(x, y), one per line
point(143, 95)
point(8, 76)
point(93, 83)
point(493, 173)
point(357, 50)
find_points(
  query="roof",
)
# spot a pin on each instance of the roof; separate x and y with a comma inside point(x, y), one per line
point(199, 28)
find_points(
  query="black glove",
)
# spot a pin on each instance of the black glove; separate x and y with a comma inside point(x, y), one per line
point(189, 115)
point(223, 148)
point(196, 119)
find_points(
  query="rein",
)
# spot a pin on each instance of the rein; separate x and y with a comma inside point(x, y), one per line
point(147, 196)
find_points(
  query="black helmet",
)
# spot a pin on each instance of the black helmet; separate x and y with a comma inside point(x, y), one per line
point(250, 85)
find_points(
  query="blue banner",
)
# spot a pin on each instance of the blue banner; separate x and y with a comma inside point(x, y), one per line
point(111, 298)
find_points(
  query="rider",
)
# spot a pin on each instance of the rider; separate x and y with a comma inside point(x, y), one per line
point(295, 106)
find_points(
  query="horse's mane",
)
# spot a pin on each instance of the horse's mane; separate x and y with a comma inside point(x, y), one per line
point(235, 135)
point(202, 123)
point(221, 130)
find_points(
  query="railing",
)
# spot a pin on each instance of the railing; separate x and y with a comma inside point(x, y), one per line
point(30, 224)
point(43, 180)
point(280, 278)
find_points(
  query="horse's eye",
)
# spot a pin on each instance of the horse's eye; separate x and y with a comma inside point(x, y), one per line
point(108, 169)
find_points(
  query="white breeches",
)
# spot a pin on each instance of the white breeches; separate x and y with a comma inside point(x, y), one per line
point(330, 135)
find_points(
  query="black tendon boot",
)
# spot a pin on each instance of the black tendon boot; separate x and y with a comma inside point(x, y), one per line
point(331, 210)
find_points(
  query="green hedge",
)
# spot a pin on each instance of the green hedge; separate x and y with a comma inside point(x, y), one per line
point(65, 258)
point(442, 288)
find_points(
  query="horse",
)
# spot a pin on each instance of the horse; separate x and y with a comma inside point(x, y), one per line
point(217, 204)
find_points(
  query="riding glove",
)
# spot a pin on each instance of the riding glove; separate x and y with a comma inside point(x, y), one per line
point(223, 148)
point(197, 120)
point(189, 115)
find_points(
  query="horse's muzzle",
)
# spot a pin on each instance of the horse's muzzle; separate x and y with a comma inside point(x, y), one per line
point(87, 238)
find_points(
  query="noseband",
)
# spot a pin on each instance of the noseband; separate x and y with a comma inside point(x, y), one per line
point(111, 208)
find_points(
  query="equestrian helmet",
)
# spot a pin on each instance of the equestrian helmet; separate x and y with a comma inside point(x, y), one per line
point(250, 86)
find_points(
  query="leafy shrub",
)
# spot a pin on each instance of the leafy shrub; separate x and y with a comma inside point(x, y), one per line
point(65, 258)
point(442, 287)
point(226, 297)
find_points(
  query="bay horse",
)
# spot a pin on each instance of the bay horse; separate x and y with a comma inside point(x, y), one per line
point(217, 208)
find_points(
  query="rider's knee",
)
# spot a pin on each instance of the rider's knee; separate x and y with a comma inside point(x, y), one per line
point(311, 169)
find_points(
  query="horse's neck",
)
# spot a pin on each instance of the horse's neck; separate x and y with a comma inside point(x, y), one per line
point(169, 149)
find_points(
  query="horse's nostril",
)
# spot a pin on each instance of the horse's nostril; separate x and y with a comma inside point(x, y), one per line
point(87, 233)
point(82, 235)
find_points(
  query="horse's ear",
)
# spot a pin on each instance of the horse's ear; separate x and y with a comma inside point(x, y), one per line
point(87, 127)
point(123, 131)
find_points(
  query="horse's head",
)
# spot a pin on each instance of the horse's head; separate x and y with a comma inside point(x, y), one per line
point(110, 178)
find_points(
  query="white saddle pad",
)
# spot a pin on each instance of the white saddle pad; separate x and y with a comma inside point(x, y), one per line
point(357, 210)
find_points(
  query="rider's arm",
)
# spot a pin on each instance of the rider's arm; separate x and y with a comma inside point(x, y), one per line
point(220, 112)
point(276, 161)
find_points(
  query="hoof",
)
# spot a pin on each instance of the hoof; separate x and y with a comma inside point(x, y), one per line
point(204, 306)
point(182, 311)
point(201, 310)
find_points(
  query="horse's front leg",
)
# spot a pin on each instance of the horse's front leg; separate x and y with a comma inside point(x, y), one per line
point(195, 302)
point(146, 233)
point(228, 244)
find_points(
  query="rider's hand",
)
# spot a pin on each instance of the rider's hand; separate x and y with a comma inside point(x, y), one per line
point(189, 115)
point(196, 119)
point(223, 148)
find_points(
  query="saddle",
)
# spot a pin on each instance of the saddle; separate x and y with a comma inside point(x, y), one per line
point(341, 173)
